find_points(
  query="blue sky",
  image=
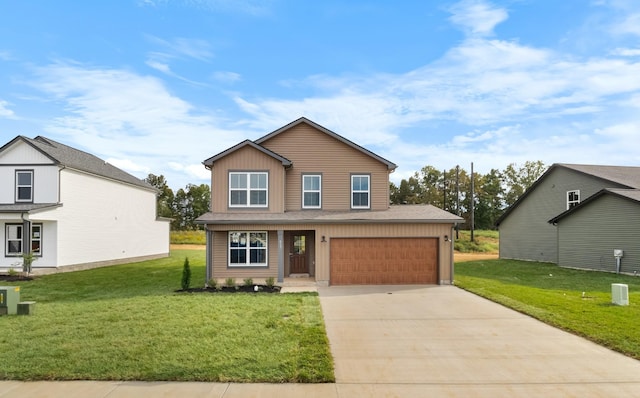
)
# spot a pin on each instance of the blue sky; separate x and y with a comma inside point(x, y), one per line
point(157, 86)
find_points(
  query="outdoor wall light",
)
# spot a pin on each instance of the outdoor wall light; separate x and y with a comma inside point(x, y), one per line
point(446, 238)
point(324, 239)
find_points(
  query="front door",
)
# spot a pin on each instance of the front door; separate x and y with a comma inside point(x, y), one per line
point(298, 255)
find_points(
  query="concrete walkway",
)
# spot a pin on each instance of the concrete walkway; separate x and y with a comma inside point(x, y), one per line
point(408, 341)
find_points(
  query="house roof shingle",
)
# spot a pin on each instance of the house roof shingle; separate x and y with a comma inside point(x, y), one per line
point(209, 162)
point(625, 176)
point(67, 156)
point(395, 214)
point(629, 194)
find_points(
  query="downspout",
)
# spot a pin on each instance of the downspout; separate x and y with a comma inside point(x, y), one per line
point(26, 233)
point(452, 240)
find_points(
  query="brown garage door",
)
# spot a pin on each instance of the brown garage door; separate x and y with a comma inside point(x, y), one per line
point(384, 261)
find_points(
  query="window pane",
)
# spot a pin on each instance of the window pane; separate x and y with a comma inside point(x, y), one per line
point(259, 180)
point(238, 239)
point(360, 199)
point(24, 178)
point(24, 193)
point(258, 239)
point(35, 246)
point(311, 183)
point(238, 180)
point(258, 256)
point(258, 197)
point(238, 256)
point(15, 246)
point(238, 197)
point(14, 232)
point(311, 199)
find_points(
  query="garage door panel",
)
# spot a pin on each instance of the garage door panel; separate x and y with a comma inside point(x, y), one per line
point(384, 261)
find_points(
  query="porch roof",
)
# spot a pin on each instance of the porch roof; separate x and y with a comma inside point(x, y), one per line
point(26, 207)
point(410, 214)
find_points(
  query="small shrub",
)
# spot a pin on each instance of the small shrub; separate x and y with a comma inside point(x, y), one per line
point(213, 283)
point(12, 272)
point(248, 281)
point(230, 282)
point(186, 274)
point(270, 281)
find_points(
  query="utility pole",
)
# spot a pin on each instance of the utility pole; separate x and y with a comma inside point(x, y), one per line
point(457, 199)
point(472, 203)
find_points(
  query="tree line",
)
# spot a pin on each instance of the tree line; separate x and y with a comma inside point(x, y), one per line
point(447, 189)
point(450, 190)
point(183, 206)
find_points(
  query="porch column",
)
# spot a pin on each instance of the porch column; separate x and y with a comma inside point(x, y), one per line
point(26, 234)
point(209, 260)
point(280, 256)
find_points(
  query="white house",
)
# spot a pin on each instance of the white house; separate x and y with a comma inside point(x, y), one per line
point(73, 210)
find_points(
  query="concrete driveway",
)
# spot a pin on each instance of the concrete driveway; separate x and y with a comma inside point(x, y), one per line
point(444, 341)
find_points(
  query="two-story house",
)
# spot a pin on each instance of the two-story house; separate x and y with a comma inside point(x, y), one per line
point(576, 216)
point(72, 210)
point(304, 200)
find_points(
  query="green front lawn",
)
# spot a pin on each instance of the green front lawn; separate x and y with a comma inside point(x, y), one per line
point(573, 300)
point(127, 322)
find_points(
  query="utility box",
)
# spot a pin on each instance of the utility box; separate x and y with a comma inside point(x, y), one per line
point(9, 299)
point(619, 294)
point(26, 307)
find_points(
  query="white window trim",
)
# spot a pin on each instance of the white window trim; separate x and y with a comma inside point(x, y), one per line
point(318, 191)
point(21, 226)
point(368, 191)
point(18, 186)
point(248, 189)
point(6, 240)
point(248, 248)
point(573, 201)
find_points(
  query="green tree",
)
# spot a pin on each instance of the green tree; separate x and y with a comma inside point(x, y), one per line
point(517, 179)
point(190, 203)
point(165, 197)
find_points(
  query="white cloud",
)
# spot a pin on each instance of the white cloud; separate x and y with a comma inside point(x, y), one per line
point(226, 77)
point(477, 17)
point(5, 112)
point(132, 120)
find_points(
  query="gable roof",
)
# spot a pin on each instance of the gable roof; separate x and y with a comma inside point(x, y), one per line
point(390, 165)
point(628, 194)
point(620, 176)
point(209, 162)
point(66, 156)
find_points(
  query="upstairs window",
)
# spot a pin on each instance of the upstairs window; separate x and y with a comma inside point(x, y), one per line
point(311, 195)
point(24, 186)
point(573, 198)
point(360, 192)
point(248, 189)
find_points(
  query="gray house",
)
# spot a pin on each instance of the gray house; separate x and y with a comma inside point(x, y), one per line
point(575, 216)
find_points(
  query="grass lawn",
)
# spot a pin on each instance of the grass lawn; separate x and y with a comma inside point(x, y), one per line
point(555, 295)
point(127, 323)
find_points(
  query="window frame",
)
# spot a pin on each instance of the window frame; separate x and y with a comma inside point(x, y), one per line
point(248, 189)
point(318, 191)
point(20, 239)
point(360, 191)
point(575, 202)
point(37, 253)
point(19, 186)
point(247, 249)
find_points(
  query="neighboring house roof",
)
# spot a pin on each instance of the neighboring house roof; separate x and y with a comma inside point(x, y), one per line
point(628, 194)
point(395, 214)
point(390, 165)
point(26, 207)
point(64, 155)
point(625, 176)
point(209, 162)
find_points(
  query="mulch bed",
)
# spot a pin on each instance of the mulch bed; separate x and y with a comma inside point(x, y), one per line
point(14, 278)
point(236, 289)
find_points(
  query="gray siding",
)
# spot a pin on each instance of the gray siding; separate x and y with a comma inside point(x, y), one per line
point(526, 234)
point(587, 238)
